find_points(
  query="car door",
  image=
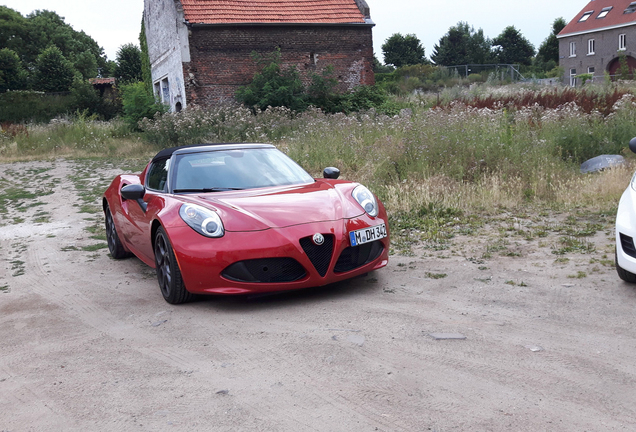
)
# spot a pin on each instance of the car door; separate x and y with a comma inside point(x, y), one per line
point(141, 214)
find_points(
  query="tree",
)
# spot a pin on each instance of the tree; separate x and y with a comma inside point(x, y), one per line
point(378, 67)
point(511, 47)
point(29, 36)
point(12, 75)
point(47, 28)
point(13, 30)
point(54, 73)
point(549, 48)
point(462, 45)
point(86, 64)
point(401, 50)
point(128, 64)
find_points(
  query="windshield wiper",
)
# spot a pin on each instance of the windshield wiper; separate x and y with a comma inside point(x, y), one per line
point(204, 190)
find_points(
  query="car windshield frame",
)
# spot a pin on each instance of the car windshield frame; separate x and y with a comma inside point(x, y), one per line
point(234, 168)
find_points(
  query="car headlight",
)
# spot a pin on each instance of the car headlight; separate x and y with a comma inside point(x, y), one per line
point(205, 222)
point(367, 201)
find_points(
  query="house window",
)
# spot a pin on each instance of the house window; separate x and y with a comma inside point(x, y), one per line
point(573, 77)
point(631, 8)
point(165, 91)
point(585, 16)
point(622, 42)
point(604, 12)
point(157, 88)
point(590, 70)
point(572, 49)
point(590, 46)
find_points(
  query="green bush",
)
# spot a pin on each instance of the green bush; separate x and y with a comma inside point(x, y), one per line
point(139, 104)
point(87, 99)
point(273, 86)
point(32, 106)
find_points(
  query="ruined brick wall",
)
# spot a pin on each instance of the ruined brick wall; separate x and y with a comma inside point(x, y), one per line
point(221, 58)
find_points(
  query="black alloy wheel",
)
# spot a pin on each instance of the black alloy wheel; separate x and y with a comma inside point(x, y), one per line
point(115, 247)
point(168, 273)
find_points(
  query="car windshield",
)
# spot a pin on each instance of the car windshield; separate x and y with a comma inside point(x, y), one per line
point(221, 170)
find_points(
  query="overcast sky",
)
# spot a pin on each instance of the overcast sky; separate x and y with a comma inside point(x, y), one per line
point(113, 23)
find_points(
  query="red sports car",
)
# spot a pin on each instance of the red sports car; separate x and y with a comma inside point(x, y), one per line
point(243, 218)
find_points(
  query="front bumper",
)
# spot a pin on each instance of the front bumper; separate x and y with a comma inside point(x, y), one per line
point(204, 261)
point(626, 231)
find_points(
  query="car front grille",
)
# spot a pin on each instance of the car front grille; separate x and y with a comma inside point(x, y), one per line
point(265, 270)
point(320, 256)
point(357, 256)
point(627, 243)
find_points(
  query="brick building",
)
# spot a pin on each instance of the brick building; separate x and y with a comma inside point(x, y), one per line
point(200, 50)
point(595, 40)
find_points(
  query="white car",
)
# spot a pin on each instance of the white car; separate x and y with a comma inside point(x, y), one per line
point(626, 230)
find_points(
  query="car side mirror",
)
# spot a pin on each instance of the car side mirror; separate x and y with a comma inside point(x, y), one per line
point(135, 192)
point(331, 173)
point(632, 145)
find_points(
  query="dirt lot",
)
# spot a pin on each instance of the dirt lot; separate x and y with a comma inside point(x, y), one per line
point(87, 343)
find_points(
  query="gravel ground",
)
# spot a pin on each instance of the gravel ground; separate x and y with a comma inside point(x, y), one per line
point(493, 332)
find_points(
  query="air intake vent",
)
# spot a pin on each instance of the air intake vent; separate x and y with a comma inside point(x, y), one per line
point(357, 256)
point(266, 270)
point(627, 243)
point(320, 256)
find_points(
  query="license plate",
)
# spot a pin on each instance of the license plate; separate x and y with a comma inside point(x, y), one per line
point(367, 235)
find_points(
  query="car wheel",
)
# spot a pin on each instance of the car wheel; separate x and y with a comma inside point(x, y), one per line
point(622, 273)
point(115, 247)
point(168, 273)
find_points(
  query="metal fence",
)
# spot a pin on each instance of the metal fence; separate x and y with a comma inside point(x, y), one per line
point(501, 71)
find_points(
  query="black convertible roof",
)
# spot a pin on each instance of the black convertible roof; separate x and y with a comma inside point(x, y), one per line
point(166, 153)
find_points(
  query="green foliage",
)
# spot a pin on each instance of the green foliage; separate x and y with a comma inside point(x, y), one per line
point(53, 72)
point(274, 86)
point(549, 49)
point(278, 87)
point(128, 68)
point(45, 28)
point(623, 71)
point(513, 48)
point(107, 70)
point(12, 75)
point(462, 45)
point(585, 77)
point(31, 106)
point(146, 73)
point(401, 50)
point(85, 98)
point(364, 98)
point(86, 65)
point(378, 67)
point(139, 104)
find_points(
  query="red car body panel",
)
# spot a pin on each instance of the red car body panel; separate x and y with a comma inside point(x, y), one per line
point(259, 223)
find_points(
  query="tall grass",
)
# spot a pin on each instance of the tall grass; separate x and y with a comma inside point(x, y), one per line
point(461, 155)
point(75, 137)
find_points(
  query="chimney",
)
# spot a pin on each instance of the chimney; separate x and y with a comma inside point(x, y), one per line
point(364, 8)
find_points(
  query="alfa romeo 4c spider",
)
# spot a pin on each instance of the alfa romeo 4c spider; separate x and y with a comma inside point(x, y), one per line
point(243, 219)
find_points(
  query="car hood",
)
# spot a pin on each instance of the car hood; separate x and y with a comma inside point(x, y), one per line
point(260, 209)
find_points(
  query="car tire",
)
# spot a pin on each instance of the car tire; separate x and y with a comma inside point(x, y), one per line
point(115, 246)
point(622, 273)
point(168, 273)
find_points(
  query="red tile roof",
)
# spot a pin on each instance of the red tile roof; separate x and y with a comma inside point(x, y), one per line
point(102, 81)
point(271, 11)
point(614, 18)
